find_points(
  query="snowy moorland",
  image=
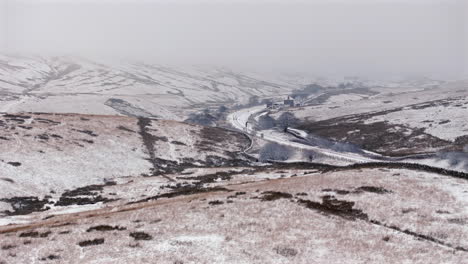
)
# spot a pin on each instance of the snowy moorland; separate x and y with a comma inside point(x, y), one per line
point(391, 121)
point(76, 85)
point(97, 167)
point(262, 216)
point(44, 156)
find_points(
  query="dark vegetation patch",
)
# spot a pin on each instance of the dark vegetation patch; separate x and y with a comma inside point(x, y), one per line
point(35, 234)
point(273, 196)
point(125, 129)
point(25, 205)
point(46, 121)
point(16, 118)
point(285, 251)
point(50, 257)
point(234, 159)
point(66, 201)
point(56, 136)
point(163, 138)
point(213, 177)
point(372, 189)
point(332, 206)
point(87, 132)
point(94, 242)
point(215, 202)
point(85, 191)
point(14, 163)
point(7, 247)
point(87, 141)
point(178, 143)
point(160, 166)
point(236, 195)
point(211, 137)
point(156, 221)
point(408, 210)
point(43, 136)
point(208, 117)
point(182, 191)
point(274, 151)
point(163, 166)
point(458, 221)
point(383, 137)
point(85, 195)
point(7, 180)
point(126, 108)
point(337, 191)
point(104, 228)
point(141, 236)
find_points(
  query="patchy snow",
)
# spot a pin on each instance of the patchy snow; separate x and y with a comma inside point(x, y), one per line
point(46, 154)
point(240, 120)
point(241, 226)
point(443, 121)
point(385, 99)
point(51, 85)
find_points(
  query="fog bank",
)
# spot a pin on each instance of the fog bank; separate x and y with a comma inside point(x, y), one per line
point(366, 38)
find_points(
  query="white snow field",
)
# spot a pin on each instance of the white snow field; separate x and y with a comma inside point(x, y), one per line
point(76, 85)
point(47, 154)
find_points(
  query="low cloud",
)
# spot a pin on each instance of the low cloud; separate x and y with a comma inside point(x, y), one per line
point(367, 38)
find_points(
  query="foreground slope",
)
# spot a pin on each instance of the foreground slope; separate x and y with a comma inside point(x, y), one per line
point(100, 189)
point(353, 216)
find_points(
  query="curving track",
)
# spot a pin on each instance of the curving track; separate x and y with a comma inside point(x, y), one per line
point(241, 120)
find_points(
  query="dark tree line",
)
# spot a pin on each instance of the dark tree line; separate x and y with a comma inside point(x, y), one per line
point(275, 152)
point(284, 121)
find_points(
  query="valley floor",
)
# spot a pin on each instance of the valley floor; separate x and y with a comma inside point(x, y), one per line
point(376, 172)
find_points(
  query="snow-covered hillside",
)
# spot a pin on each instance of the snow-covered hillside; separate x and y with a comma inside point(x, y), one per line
point(47, 154)
point(76, 85)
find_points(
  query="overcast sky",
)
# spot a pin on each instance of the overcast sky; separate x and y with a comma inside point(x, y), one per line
point(328, 37)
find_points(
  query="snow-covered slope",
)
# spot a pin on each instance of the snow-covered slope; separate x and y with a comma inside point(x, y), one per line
point(64, 84)
point(46, 154)
point(375, 215)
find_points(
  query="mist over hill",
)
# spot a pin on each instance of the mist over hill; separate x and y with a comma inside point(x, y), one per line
point(205, 131)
